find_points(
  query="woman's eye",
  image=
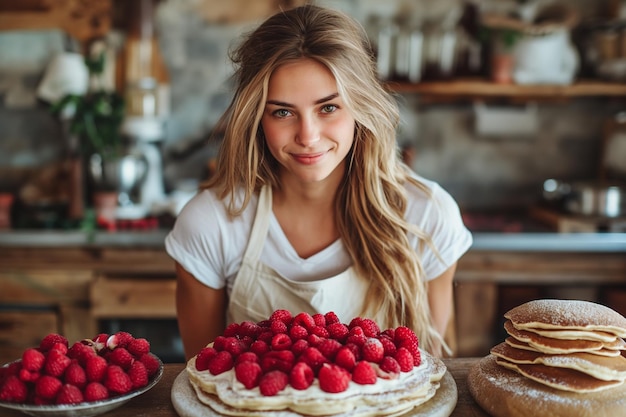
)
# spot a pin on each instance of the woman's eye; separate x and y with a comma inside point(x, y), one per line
point(281, 113)
point(329, 108)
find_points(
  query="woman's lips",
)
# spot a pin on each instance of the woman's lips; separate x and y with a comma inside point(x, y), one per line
point(309, 158)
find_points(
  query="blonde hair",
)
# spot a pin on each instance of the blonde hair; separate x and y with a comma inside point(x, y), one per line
point(371, 202)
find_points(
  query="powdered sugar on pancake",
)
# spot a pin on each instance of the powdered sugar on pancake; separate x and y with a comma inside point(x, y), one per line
point(567, 315)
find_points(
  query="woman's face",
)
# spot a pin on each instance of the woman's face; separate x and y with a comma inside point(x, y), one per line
point(307, 127)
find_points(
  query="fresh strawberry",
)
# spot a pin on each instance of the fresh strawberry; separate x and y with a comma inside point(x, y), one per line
point(273, 382)
point(405, 359)
point(138, 375)
point(95, 368)
point(48, 387)
point(301, 376)
point(69, 394)
point(221, 362)
point(13, 390)
point(121, 357)
point(333, 378)
point(203, 358)
point(364, 374)
point(76, 375)
point(138, 347)
point(152, 363)
point(49, 340)
point(281, 315)
point(95, 391)
point(33, 360)
point(248, 373)
point(56, 363)
point(116, 380)
point(345, 358)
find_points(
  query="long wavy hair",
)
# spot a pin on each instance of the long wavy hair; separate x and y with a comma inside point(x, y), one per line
point(371, 201)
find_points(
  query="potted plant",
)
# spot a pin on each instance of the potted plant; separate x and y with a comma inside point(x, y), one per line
point(95, 117)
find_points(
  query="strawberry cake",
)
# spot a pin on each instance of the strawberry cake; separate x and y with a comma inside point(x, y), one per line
point(314, 365)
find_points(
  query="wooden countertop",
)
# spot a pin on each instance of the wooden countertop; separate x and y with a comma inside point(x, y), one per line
point(157, 403)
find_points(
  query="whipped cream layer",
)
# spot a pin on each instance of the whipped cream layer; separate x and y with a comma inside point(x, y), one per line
point(386, 397)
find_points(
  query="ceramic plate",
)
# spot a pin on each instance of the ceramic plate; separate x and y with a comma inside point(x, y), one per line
point(86, 409)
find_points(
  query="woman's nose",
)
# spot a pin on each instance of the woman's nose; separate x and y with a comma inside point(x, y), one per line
point(308, 131)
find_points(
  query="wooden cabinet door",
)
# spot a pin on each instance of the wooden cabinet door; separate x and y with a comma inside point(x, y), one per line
point(21, 329)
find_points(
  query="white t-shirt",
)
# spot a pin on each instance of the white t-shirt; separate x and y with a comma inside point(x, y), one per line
point(210, 245)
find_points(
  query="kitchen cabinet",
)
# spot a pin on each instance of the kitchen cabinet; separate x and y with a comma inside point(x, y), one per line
point(489, 282)
point(72, 289)
point(68, 290)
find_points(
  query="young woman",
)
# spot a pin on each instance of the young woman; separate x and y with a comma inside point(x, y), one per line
point(311, 208)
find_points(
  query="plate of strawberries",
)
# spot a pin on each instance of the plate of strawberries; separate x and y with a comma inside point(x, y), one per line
point(86, 378)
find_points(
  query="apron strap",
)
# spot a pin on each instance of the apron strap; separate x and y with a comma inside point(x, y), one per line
point(260, 225)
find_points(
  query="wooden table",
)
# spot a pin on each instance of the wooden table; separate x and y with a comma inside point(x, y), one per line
point(157, 403)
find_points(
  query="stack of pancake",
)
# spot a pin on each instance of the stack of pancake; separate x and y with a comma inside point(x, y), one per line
point(569, 345)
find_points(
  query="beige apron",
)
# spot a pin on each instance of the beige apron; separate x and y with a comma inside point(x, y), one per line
point(258, 290)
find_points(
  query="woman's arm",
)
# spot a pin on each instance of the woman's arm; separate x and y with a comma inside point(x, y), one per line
point(440, 299)
point(201, 312)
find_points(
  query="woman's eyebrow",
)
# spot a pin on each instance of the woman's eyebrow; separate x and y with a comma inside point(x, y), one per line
point(320, 101)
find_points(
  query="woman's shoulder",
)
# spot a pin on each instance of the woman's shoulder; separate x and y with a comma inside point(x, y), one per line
point(207, 208)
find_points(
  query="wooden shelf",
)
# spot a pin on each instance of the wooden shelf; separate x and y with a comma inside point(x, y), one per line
point(477, 88)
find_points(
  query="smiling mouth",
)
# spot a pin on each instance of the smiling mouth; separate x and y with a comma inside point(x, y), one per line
point(309, 158)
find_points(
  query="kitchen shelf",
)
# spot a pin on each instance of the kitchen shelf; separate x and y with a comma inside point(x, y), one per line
point(481, 88)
